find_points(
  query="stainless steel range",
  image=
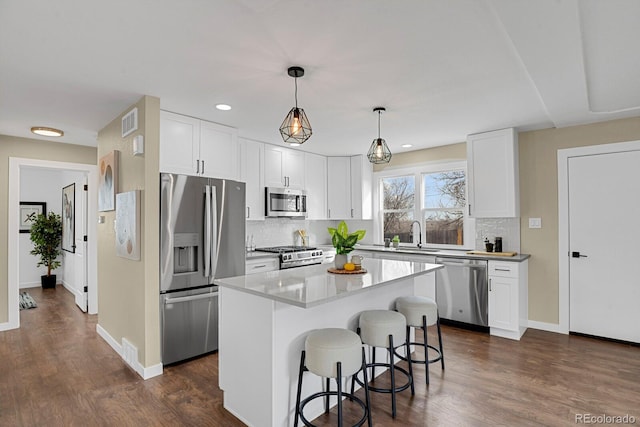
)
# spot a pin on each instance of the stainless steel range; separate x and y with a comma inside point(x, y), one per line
point(295, 256)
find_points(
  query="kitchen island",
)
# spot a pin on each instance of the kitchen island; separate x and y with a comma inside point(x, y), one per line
point(265, 318)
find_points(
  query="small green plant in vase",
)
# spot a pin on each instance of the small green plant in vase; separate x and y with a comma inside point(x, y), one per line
point(396, 241)
point(344, 242)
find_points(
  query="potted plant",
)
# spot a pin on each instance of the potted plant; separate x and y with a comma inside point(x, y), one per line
point(396, 241)
point(46, 235)
point(344, 242)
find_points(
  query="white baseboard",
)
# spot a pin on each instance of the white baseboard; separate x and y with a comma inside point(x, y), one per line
point(7, 326)
point(543, 326)
point(27, 285)
point(144, 372)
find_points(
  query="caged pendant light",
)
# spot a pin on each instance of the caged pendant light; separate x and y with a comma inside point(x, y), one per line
point(379, 151)
point(295, 128)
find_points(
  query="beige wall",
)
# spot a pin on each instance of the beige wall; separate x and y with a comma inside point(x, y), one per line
point(445, 152)
point(11, 146)
point(128, 290)
point(539, 198)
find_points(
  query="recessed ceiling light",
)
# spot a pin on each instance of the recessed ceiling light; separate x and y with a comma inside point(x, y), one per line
point(45, 131)
point(223, 107)
point(407, 145)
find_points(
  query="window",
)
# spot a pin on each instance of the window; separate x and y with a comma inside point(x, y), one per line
point(434, 196)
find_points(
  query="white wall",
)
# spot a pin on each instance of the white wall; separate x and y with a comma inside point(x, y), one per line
point(42, 185)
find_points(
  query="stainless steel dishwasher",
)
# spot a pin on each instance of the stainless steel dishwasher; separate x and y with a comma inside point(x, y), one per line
point(462, 291)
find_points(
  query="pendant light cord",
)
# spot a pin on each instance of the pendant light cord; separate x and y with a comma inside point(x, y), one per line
point(379, 112)
point(296, 93)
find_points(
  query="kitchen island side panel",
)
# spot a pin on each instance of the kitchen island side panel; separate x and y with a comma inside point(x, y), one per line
point(245, 356)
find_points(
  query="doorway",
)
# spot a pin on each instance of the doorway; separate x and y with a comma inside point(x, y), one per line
point(598, 201)
point(90, 251)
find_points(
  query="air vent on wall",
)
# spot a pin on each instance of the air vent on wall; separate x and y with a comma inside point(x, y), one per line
point(130, 122)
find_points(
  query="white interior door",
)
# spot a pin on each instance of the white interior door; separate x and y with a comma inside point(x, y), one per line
point(604, 227)
point(81, 264)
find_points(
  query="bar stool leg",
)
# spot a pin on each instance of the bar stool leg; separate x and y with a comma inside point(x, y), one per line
point(407, 344)
point(440, 341)
point(300, 372)
point(426, 347)
point(326, 398)
point(366, 387)
point(339, 382)
point(393, 377)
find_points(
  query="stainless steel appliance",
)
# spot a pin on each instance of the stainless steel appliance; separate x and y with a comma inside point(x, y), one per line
point(202, 230)
point(462, 291)
point(285, 202)
point(296, 256)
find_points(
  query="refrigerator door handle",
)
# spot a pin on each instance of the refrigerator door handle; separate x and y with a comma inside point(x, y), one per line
point(207, 230)
point(213, 260)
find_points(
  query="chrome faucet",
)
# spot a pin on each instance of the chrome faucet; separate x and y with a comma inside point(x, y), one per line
point(420, 231)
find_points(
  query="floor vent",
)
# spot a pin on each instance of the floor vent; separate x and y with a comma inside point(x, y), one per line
point(130, 122)
point(129, 353)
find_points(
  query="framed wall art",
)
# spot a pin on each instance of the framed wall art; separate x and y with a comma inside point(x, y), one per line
point(128, 225)
point(108, 181)
point(68, 218)
point(28, 213)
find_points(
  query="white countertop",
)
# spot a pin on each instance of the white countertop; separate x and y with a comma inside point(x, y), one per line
point(444, 253)
point(314, 285)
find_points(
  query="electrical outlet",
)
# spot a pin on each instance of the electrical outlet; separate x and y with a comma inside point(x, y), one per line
point(535, 222)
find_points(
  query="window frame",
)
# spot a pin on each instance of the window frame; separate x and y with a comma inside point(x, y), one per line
point(418, 170)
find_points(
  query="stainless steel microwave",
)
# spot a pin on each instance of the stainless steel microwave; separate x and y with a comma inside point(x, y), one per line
point(285, 202)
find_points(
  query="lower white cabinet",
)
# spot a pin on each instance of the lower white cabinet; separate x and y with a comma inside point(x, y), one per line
point(508, 303)
point(261, 265)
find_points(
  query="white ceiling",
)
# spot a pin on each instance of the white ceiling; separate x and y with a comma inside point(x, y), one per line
point(443, 69)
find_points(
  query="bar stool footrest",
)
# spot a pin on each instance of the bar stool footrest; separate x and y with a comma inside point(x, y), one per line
point(435, 359)
point(385, 390)
point(348, 396)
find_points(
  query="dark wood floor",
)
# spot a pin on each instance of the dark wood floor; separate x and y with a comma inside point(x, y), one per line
point(56, 371)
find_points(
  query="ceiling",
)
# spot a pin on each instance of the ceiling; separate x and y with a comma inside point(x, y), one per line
point(442, 69)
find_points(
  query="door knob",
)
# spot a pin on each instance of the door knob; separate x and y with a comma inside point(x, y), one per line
point(577, 255)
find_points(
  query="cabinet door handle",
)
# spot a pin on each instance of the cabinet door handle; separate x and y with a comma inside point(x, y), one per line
point(502, 269)
point(351, 213)
point(259, 266)
point(469, 209)
point(198, 166)
point(329, 216)
point(489, 284)
point(248, 212)
point(203, 167)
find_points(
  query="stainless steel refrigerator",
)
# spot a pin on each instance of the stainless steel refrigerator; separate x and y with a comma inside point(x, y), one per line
point(202, 234)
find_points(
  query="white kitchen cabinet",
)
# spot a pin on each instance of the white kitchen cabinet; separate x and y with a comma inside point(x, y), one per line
point(252, 173)
point(508, 301)
point(283, 167)
point(492, 167)
point(338, 187)
point(218, 151)
point(179, 143)
point(196, 147)
point(315, 170)
point(261, 265)
point(349, 189)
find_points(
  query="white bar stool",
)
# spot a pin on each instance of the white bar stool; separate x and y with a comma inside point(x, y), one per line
point(381, 328)
point(420, 313)
point(333, 353)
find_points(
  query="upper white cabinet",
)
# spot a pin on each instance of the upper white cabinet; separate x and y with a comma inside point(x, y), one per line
point(338, 187)
point(196, 147)
point(283, 167)
point(349, 188)
point(492, 163)
point(315, 170)
point(252, 173)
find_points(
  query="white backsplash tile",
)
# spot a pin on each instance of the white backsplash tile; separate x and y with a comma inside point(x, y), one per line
point(284, 231)
point(507, 228)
